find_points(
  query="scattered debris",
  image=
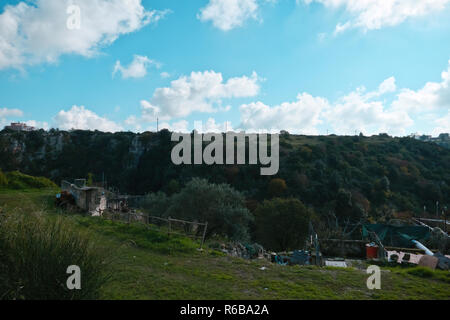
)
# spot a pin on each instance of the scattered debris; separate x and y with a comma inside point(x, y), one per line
point(332, 263)
point(65, 200)
point(443, 261)
point(300, 257)
point(429, 262)
point(246, 251)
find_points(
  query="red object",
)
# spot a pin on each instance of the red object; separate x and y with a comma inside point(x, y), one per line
point(371, 252)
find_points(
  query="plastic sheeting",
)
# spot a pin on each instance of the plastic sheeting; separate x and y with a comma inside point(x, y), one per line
point(396, 236)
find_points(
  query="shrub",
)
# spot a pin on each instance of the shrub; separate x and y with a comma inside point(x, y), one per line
point(3, 179)
point(156, 204)
point(218, 204)
point(35, 253)
point(18, 180)
point(277, 187)
point(282, 224)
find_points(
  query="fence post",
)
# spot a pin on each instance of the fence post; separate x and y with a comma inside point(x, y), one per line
point(204, 235)
point(169, 227)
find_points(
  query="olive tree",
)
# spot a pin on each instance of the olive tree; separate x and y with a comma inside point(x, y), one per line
point(218, 204)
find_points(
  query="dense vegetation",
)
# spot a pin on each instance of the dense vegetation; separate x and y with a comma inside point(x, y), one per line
point(342, 181)
point(345, 177)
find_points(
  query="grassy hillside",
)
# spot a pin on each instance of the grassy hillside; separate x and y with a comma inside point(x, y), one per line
point(146, 264)
point(19, 181)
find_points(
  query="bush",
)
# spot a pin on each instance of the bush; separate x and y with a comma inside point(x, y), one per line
point(156, 204)
point(277, 187)
point(3, 179)
point(35, 252)
point(18, 180)
point(282, 224)
point(218, 204)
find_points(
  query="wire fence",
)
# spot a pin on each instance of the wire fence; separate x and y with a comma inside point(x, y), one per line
point(190, 229)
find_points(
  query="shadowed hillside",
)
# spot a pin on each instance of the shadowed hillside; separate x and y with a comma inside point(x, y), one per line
point(355, 175)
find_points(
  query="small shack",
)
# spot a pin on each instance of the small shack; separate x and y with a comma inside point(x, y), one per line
point(86, 198)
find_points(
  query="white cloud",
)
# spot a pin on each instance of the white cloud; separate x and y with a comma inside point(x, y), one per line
point(37, 32)
point(3, 122)
point(211, 126)
point(5, 112)
point(136, 69)
point(358, 111)
point(38, 124)
point(165, 75)
point(442, 125)
point(84, 119)
point(375, 14)
point(180, 126)
point(229, 14)
point(199, 92)
point(387, 86)
point(301, 116)
point(432, 97)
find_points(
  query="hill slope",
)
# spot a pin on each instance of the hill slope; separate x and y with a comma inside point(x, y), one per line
point(374, 175)
point(144, 268)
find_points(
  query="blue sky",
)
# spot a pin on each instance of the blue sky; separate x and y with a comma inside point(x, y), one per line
point(307, 66)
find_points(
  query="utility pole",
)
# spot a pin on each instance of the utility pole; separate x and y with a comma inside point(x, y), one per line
point(157, 124)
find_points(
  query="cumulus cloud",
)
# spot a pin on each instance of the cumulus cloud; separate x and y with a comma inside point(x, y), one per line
point(136, 69)
point(38, 124)
point(37, 32)
point(5, 112)
point(432, 97)
point(84, 119)
point(211, 126)
point(229, 14)
point(375, 14)
point(301, 116)
point(199, 92)
point(361, 112)
point(179, 126)
point(442, 125)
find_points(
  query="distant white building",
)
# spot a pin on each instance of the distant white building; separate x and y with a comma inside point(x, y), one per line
point(19, 126)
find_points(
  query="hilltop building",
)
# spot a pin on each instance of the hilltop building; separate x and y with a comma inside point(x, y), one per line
point(19, 126)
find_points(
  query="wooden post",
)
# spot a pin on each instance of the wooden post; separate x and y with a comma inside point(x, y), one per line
point(204, 235)
point(170, 227)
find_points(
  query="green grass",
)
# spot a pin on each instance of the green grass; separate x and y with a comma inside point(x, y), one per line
point(20, 181)
point(147, 264)
point(36, 248)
